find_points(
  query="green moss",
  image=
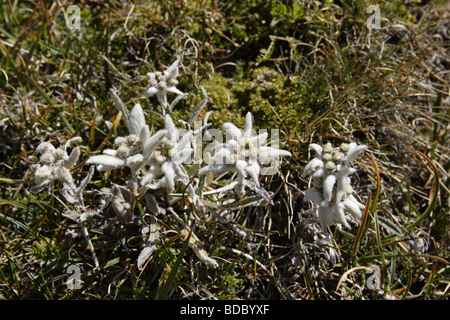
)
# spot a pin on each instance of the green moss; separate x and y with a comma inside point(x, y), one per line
point(276, 101)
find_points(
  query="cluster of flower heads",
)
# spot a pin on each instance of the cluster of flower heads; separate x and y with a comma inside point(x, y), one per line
point(55, 164)
point(244, 152)
point(161, 83)
point(155, 160)
point(159, 160)
point(331, 192)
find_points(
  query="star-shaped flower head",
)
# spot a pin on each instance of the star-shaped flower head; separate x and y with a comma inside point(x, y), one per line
point(243, 152)
point(166, 163)
point(160, 83)
point(55, 164)
point(133, 150)
point(332, 192)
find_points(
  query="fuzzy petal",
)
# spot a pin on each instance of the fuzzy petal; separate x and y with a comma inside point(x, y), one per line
point(135, 160)
point(339, 215)
point(69, 163)
point(172, 71)
point(220, 156)
point(216, 168)
point(317, 148)
point(253, 172)
point(40, 186)
point(184, 156)
point(105, 162)
point(328, 185)
point(159, 184)
point(248, 125)
point(312, 166)
point(342, 181)
point(268, 154)
point(146, 178)
point(174, 90)
point(240, 168)
point(119, 140)
point(185, 140)
point(181, 174)
point(325, 215)
point(260, 139)
point(150, 91)
point(63, 174)
point(144, 135)
point(151, 76)
point(232, 132)
point(72, 141)
point(43, 173)
point(353, 208)
point(150, 144)
point(86, 180)
point(110, 152)
point(120, 106)
point(354, 152)
point(44, 147)
point(180, 96)
point(169, 175)
point(353, 199)
point(318, 173)
point(172, 131)
point(136, 121)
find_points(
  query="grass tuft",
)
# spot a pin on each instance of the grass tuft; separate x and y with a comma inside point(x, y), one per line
point(311, 69)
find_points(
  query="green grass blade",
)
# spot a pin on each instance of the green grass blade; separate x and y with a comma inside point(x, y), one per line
point(435, 195)
point(163, 294)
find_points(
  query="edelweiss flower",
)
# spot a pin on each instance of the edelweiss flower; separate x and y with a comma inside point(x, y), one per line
point(160, 83)
point(332, 193)
point(243, 152)
point(166, 161)
point(134, 149)
point(55, 164)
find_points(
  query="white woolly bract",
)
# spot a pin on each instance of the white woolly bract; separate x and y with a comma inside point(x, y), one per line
point(105, 162)
point(136, 120)
point(332, 192)
point(243, 153)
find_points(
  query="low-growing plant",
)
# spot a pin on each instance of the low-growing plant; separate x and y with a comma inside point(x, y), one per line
point(158, 157)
